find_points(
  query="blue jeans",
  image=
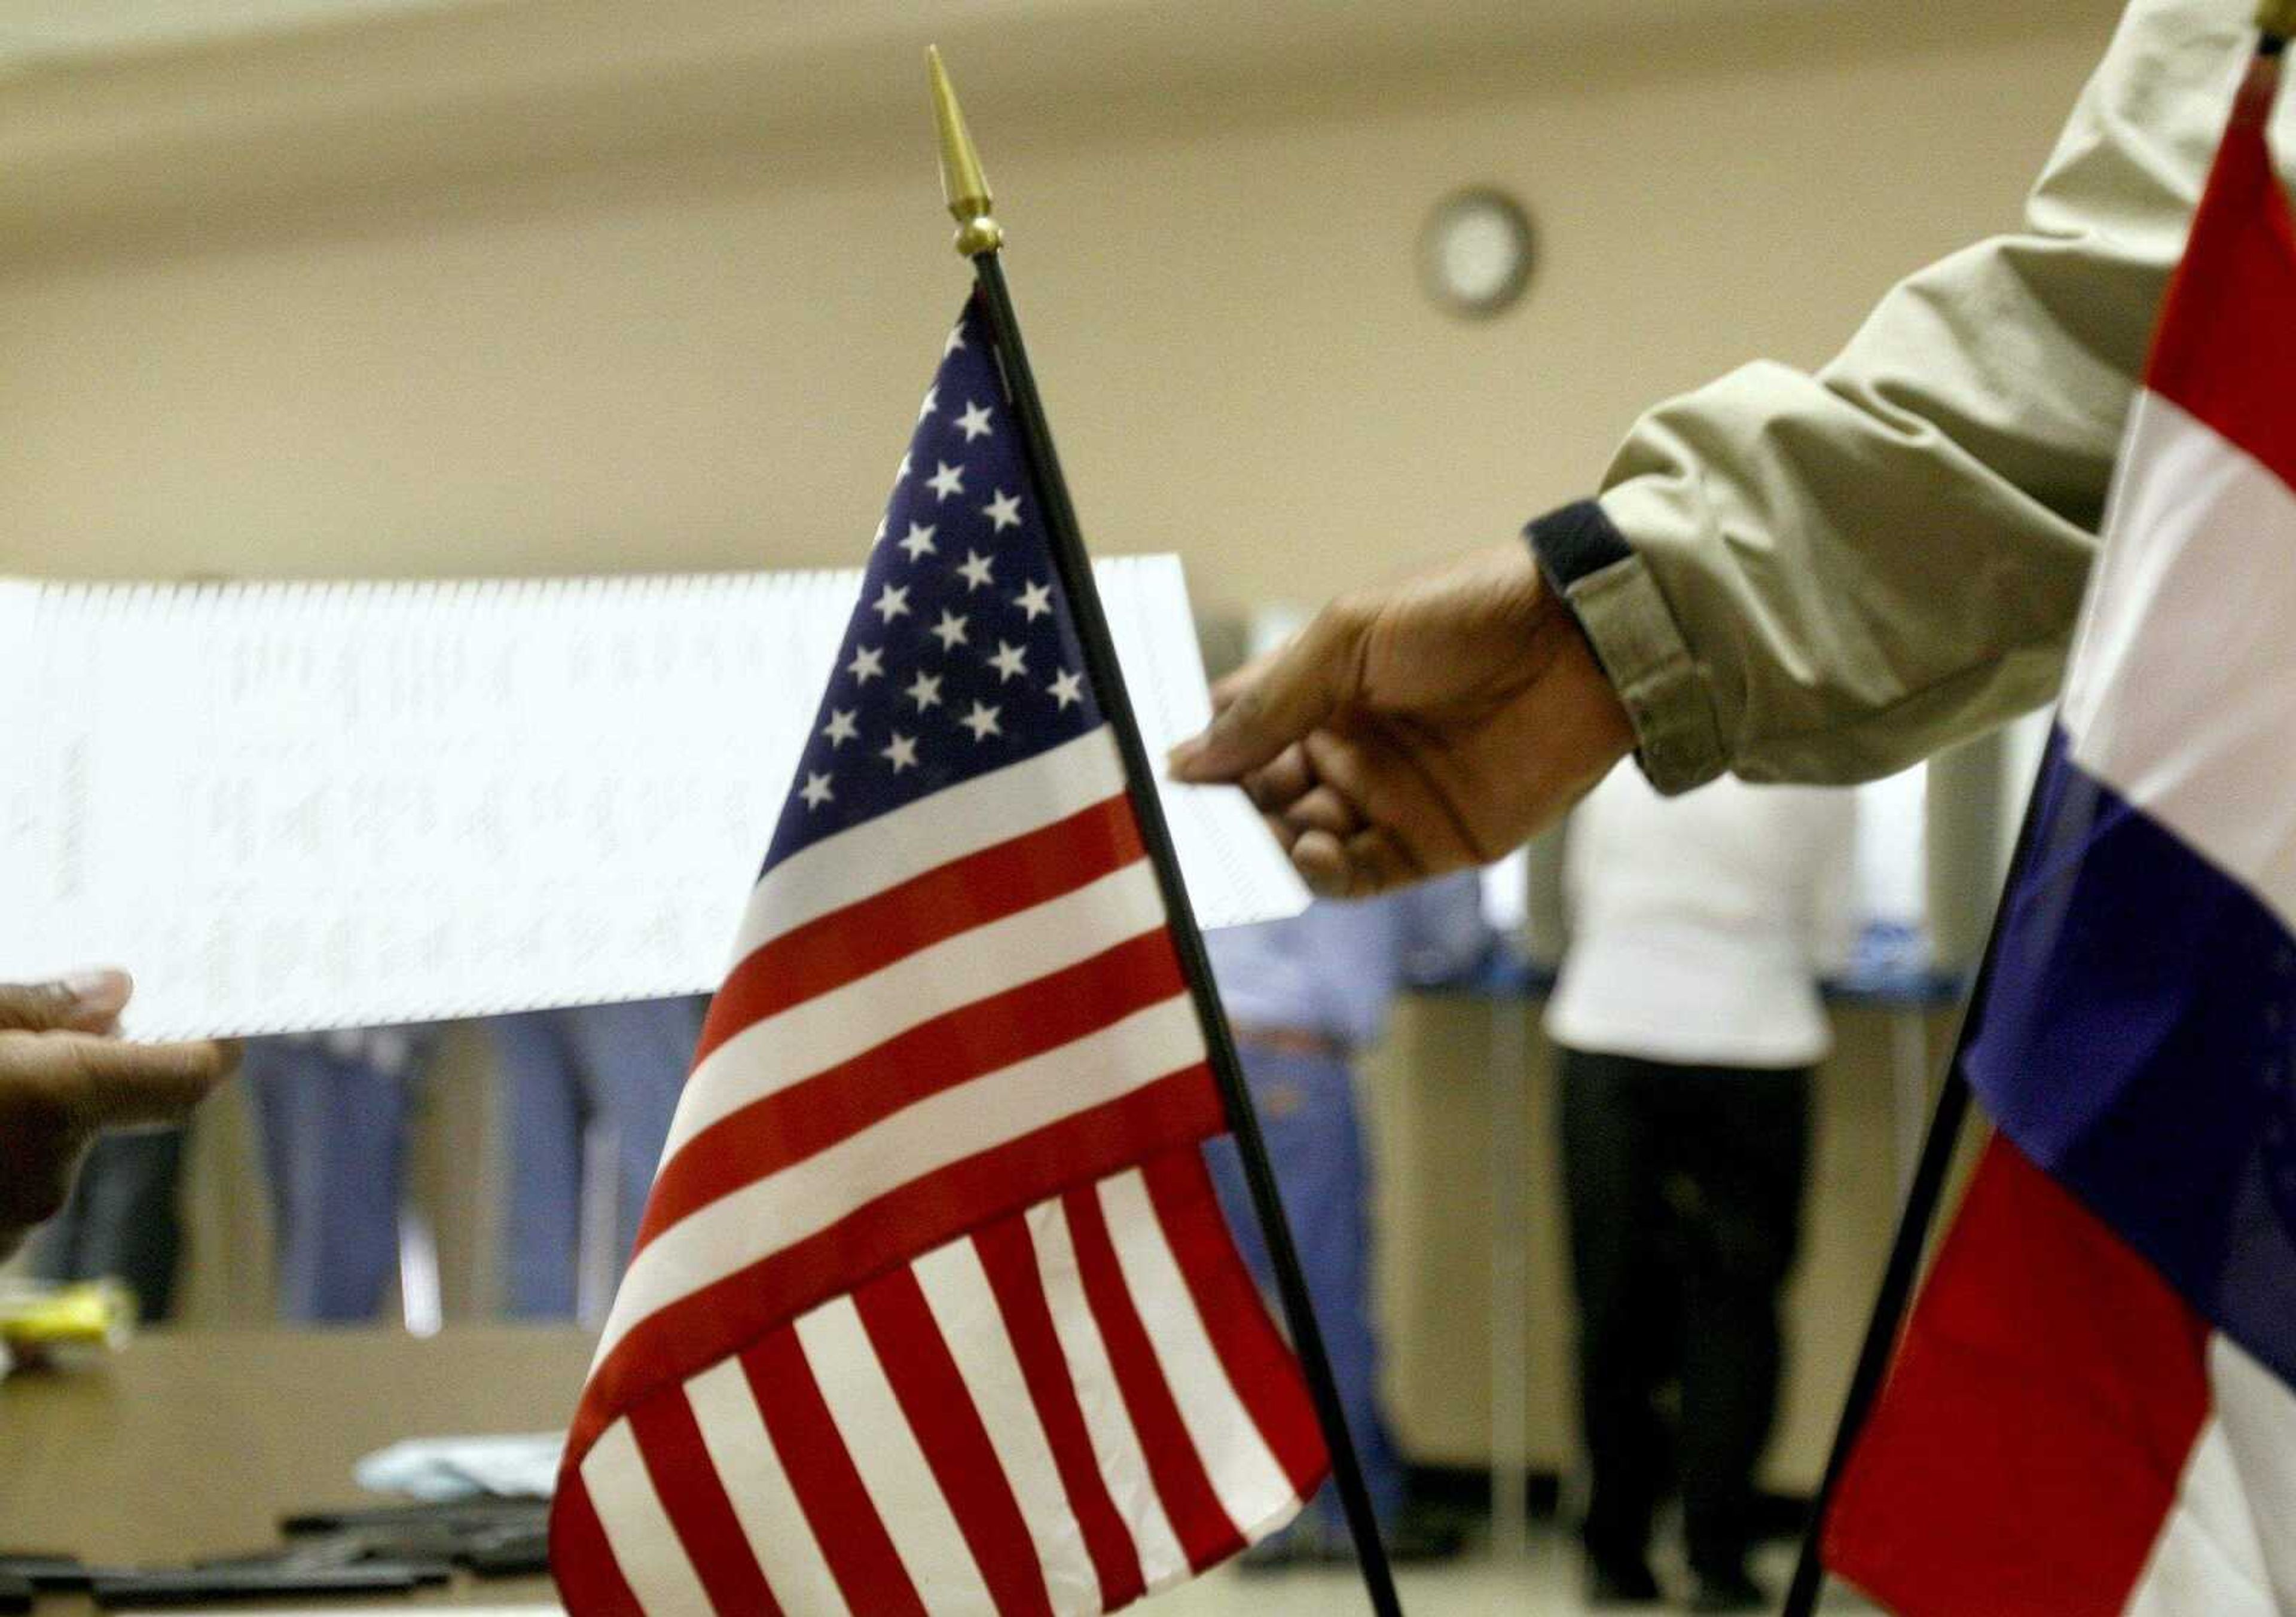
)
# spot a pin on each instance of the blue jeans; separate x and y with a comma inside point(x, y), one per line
point(334, 1143)
point(1306, 1107)
point(564, 1071)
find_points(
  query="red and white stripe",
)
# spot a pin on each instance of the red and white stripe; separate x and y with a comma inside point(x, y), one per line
point(959, 1030)
point(2063, 1434)
point(1057, 1414)
point(2202, 741)
point(2179, 695)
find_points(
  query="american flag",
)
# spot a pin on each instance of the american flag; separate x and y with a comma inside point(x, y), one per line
point(932, 1309)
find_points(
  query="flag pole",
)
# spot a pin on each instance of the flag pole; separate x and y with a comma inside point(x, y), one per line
point(979, 238)
point(2276, 18)
point(1890, 1305)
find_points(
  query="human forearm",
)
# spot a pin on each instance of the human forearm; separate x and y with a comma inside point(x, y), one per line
point(1822, 577)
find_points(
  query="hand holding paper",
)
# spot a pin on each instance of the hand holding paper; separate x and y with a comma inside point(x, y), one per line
point(1418, 729)
point(63, 1077)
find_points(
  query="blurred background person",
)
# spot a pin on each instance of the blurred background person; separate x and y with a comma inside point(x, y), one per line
point(586, 1097)
point(1688, 1022)
point(586, 1090)
point(122, 1222)
point(332, 1110)
point(1305, 997)
point(332, 1113)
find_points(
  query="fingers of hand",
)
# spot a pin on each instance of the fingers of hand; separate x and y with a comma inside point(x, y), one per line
point(132, 1084)
point(1371, 861)
point(1229, 686)
point(1372, 820)
point(86, 1001)
point(58, 1089)
point(87, 1084)
point(1325, 791)
point(1323, 808)
point(1284, 779)
point(1266, 707)
point(1293, 801)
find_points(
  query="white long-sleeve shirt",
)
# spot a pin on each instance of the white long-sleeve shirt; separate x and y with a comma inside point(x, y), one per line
point(1700, 925)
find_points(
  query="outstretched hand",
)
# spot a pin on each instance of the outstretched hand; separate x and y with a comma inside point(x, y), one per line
point(1408, 732)
point(64, 1077)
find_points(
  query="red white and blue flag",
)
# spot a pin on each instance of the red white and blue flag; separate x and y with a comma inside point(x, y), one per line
point(933, 1309)
point(2093, 1408)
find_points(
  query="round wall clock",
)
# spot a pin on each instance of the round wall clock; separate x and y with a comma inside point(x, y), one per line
point(1476, 252)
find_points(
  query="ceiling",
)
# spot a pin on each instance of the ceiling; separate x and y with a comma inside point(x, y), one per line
point(136, 119)
point(32, 30)
point(90, 30)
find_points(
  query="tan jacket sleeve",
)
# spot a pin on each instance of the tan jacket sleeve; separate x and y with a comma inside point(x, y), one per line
point(1823, 577)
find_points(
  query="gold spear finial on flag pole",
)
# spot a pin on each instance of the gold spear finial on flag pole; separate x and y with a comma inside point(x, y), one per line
point(961, 182)
point(2276, 17)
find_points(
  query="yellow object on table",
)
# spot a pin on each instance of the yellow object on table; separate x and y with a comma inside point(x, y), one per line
point(40, 1322)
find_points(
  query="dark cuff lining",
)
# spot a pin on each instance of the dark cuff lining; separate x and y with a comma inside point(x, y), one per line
point(1574, 542)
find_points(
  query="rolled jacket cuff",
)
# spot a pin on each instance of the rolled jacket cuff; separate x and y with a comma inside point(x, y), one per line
point(1592, 569)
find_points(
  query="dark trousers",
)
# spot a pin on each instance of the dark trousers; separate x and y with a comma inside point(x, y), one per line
point(1685, 1186)
point(121, 1222)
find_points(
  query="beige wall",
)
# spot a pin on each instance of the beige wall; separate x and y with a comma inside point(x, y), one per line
point(704, 357)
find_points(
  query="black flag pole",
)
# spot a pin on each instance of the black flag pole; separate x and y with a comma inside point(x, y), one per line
point(979, 238)
point(1889, 1313)
point(2277, 22)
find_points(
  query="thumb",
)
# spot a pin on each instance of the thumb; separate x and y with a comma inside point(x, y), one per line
point(115, 1084)
point(1276, 702)
point(83, 1001)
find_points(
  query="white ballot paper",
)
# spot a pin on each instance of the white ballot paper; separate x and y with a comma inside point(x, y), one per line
point(294, 806)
